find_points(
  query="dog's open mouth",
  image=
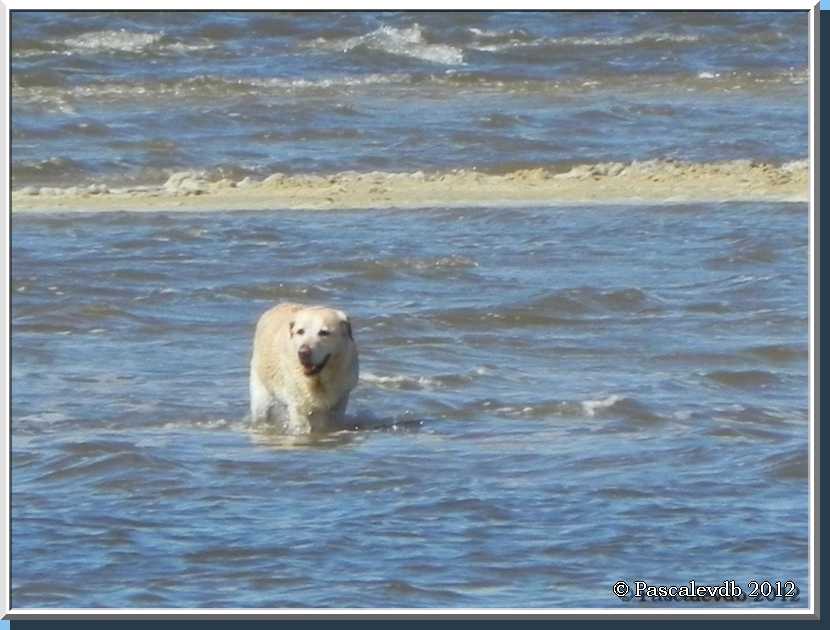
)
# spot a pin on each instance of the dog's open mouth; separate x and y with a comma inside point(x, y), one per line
point(310, 369)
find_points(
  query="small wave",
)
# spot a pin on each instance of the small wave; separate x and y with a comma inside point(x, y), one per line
point(745, 252)
point(98, 447)
point(48, 91)
point(121, 41)
point(50, 169)
point(273, 292)
point(433, 267)
point(590, 407)
point(130, 42)
point(498, 120)
point(753, 414)
point(792, 466)
point(401, 42)
point(227, 555)
point(405, 382)
point(111, 463)
point(96, 312)
point(210, 424)
point(495, 42)
point(614, 406)
point(44, 91)
point(514, 35)
point(780, 353)
point(402, 588)
point(620, 406)
point(566, 307)
point(743, 378)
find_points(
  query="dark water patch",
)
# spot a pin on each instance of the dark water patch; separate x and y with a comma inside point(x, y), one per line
point(745, 254)
point(151, 145)
point(271, 25)
point(52, 171)
point(748, 434)
point(139, 276)
point(306, 134)
point(565, 307)
point(596, 116)
point(234, 555)
point(275, 292)
point(750, 413)
point(592, 300)
point(98, 447)
point(37, 78)
point(790, 466)
point(623, 494)
point(743, 379)
point(386, 268)
point(95, 312)
point(686, 358)
point(45, 590)
point(70, 318)
point(107, 464)
point(150, 600)
point(269, 583)
point(710, 308)
point(632, 411)
point(780, 353)
point(129, 485)
point(400, 588)
point(471, 506)
point(498, 120)
point(46, 328)
point(24, 459)
point(268, 235)
point(86, 128)
point(472, 318)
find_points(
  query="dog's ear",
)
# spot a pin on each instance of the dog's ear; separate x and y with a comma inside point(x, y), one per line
point(291, 329)
point(346, 324)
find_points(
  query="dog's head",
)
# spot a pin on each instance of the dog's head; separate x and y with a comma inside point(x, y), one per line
point(317, 335)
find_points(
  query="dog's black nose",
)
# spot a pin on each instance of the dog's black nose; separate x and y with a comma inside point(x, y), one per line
point(304, 353)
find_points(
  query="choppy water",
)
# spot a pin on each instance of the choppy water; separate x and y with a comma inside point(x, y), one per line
point(133, 97)
point(570, 396)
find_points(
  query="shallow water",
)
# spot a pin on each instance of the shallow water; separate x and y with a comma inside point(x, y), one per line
point(129, 98)
point(551, 399)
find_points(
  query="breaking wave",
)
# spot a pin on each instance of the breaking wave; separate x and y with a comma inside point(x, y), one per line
point(400, 42)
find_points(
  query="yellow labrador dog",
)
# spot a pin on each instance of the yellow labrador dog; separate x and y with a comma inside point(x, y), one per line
point(303, 367)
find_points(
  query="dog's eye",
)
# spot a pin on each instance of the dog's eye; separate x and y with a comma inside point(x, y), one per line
point(324, 333)
point(301, 331)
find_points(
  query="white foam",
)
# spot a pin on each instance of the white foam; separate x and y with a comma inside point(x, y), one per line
point(344, 81)
point(399, 381)
point(219, 423)
point(590, 407)
point(587, 41)
point(795, 166)
point(127, 41)
point(120, 41)
point(406, 42)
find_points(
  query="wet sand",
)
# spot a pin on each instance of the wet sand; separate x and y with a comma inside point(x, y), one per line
point(612, 182)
